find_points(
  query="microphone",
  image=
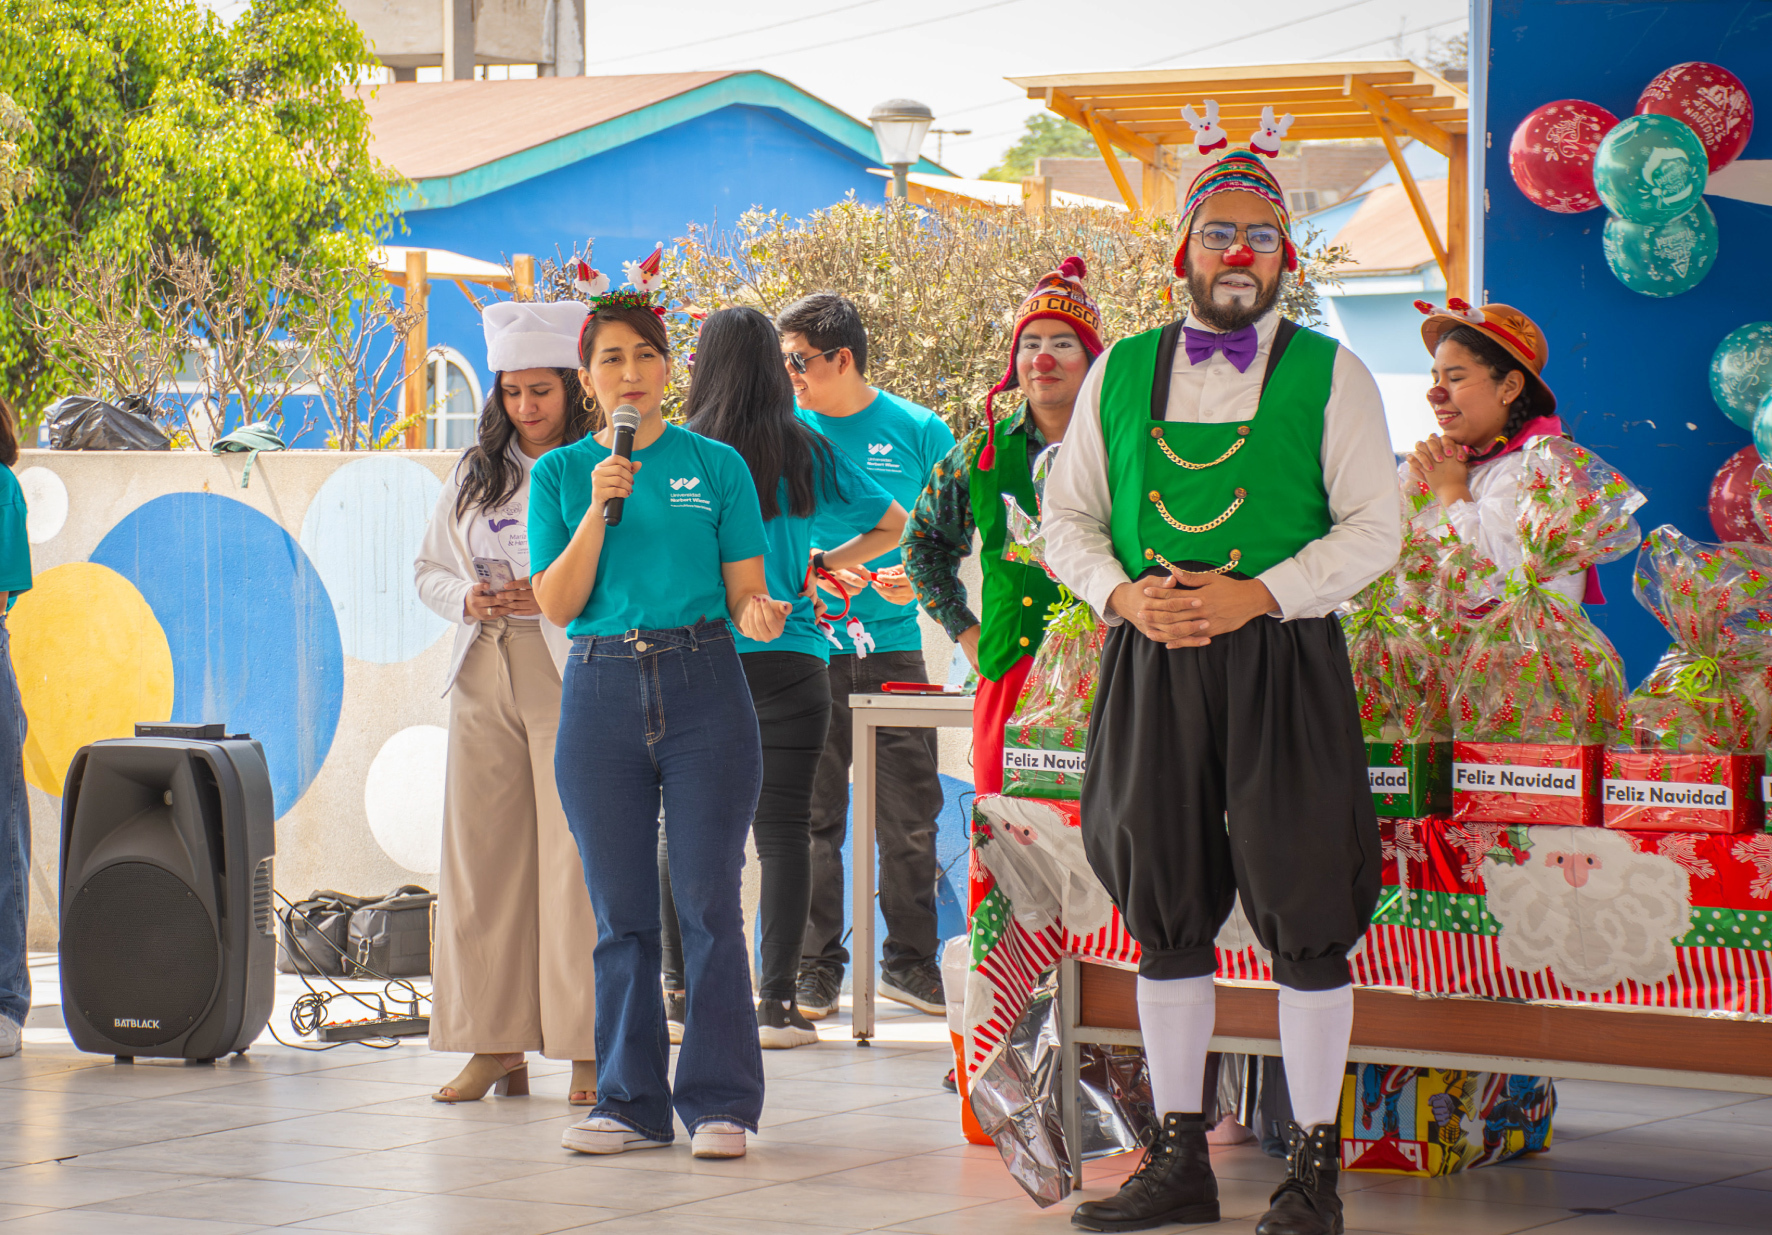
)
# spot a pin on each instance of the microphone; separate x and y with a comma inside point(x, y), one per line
point(625, 420)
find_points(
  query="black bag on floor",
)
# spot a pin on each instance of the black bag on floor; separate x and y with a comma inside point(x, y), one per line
point(317, 934)
point(391, 937)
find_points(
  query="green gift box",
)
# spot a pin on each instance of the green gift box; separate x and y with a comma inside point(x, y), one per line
point(1410, 780)
point(1043, 762)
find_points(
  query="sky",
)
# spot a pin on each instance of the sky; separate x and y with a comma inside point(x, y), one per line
point(954, 54)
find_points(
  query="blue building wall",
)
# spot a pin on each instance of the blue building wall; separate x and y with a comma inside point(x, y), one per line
point(708, 170)
point(1630, 372)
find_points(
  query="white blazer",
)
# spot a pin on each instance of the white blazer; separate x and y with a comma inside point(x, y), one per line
point(444, 572)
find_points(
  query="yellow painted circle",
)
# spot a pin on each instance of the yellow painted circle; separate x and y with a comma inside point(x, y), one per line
point(91, 662)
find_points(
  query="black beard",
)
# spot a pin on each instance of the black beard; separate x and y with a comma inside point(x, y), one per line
point(1231, 318)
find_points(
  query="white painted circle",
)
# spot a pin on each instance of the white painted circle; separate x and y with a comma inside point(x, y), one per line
point(46, 504)
point(403, 797)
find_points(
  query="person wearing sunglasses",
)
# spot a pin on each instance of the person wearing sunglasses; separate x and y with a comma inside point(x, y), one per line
point(897, 443)
point(1226, 482)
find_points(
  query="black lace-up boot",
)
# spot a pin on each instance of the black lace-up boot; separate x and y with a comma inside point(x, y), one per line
point(1306, 1204)
point(1174, 1183)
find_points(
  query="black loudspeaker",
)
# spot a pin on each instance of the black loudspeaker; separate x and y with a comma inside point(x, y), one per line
point(168, 939)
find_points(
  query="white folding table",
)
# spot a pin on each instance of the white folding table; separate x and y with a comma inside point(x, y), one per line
point(872, 713)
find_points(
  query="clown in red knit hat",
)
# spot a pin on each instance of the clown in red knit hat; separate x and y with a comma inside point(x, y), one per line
point(1055, 338)
point(1227, 481)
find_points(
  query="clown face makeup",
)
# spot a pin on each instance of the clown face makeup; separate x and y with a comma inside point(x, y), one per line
point(1050, 363)
point(1234, 285)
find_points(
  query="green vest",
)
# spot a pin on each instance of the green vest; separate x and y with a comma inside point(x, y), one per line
point(1240, 496)
point(1016, 595)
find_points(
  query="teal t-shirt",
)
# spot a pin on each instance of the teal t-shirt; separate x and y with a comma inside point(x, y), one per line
point(897, 443)
point(693, 507)
point(15, 546)
point(844, 497)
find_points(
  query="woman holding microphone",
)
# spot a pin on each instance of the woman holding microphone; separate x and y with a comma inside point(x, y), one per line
point(655, 705)
point(513, 961)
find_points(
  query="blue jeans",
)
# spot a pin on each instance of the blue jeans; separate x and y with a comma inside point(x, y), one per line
point(651, 713)
point(15, 843)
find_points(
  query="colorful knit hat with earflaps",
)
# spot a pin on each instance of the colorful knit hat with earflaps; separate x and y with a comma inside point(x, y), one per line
point(1240, 171)
point(1060, 297)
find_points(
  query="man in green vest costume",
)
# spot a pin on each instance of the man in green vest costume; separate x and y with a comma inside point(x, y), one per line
point(1056, 336)
point(1227, 481)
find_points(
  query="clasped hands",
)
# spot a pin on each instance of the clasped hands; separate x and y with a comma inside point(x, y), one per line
point(483, 604)
point(1212, 605)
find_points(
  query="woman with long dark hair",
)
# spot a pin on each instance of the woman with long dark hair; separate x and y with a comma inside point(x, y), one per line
point(512, 959)
point(740, 395)
point(655, 711)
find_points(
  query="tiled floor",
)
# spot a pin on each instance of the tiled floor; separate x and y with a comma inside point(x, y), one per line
point(852, 1140)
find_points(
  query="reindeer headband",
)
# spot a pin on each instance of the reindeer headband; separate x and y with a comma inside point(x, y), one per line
point(644, 277)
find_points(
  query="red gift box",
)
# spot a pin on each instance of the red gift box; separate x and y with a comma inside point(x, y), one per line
point(1665, 791)
point(1526, 782)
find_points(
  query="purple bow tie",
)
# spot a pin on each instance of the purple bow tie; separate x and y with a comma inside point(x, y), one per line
point(1238, 346)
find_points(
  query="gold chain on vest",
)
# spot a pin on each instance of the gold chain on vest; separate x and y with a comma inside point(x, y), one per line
point(1242, 436)
point(1216, 570)
point(1197, 528)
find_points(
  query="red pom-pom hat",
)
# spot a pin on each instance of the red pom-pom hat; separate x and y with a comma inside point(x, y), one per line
point(1059, 297)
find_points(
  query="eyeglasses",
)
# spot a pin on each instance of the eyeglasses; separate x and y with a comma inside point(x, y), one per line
point(1262, 237)
point(797, 362)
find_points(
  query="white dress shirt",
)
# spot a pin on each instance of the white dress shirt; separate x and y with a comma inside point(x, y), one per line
point(1359, 473)
point(1491, 522)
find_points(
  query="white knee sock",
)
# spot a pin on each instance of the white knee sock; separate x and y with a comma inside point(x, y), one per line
point(1315, 1027)
point(1176, 1018)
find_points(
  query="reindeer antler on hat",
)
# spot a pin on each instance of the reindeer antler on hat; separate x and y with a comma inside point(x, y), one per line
point(644, 276)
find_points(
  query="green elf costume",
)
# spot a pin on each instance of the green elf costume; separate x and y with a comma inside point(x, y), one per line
point(965, 495)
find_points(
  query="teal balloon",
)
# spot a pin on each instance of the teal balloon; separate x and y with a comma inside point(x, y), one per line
point(1650, 169)
point(1763, 428)
point(1662, 259)
point(1741, 372)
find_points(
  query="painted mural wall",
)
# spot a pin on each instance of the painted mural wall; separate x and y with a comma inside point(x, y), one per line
point(1630, 372)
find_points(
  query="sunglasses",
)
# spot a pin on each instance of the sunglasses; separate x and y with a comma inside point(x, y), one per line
point(1262, 237)
point(797, 362)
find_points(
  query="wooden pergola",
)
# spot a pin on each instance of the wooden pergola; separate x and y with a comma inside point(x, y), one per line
point(1140, 113)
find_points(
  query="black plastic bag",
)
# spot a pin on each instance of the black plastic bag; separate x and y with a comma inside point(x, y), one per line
point(81, 422)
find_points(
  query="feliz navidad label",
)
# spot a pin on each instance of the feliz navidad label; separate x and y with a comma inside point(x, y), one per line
point(1669, 794)
point(1513, 778)
point(1069, 762)
point(1388, 780)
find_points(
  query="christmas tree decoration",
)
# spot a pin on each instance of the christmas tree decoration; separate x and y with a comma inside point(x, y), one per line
point(1662, 259)
point(1552, 154)
point(1710, 100)
point(1650, 169)
point(1741, 372)
point(1732, 499)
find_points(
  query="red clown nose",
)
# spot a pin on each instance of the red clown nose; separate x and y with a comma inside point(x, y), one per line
point(1044, 363)
point(1439, 396)
point(1239, 255)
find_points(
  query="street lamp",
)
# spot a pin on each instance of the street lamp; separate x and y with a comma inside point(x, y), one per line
point(900, 126)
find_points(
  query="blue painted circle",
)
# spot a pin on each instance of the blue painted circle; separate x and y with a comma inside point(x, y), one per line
point(362, 531)
point(250, 625)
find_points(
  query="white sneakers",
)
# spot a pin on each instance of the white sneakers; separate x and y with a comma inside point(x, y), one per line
point(12, 1035)
point(718, 1139)
point(600, 1134)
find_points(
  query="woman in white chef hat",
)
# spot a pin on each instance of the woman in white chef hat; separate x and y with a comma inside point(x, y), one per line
point(515, 930)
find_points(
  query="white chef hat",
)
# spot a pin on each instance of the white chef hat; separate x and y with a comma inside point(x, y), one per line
point(531, 334)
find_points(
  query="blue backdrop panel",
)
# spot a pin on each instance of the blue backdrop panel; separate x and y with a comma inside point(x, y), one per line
point(1630, 372)
point(254, 643)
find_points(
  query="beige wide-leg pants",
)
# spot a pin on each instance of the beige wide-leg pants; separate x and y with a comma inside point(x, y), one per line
point(514, 923)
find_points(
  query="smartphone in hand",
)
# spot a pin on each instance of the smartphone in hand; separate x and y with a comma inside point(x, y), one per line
point(495, 572)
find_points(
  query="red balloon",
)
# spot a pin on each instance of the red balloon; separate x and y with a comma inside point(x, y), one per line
point(1762, 500)
point(1552, 154)
point(1732, 513)
point(1711, 100)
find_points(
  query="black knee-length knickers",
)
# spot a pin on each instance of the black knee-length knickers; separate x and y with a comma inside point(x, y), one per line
point(1235, 767)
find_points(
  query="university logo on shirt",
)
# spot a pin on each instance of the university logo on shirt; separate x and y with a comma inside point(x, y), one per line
point(685, 482)
point(685, 492)
point(879, 448)
point(880, 458)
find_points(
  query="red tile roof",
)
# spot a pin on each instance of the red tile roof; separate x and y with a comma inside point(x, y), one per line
point(1384, 234)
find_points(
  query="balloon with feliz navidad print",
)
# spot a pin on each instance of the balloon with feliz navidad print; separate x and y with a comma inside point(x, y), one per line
point(1741, 372)
point(1552, 154)
point(1710, 100)
point(1662, 259)
point(1732, 499)
point(1763, 429)
point(1650, 169)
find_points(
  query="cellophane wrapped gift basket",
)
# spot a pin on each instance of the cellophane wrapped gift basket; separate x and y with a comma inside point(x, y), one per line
point(1540, 691)
point(1691, 754)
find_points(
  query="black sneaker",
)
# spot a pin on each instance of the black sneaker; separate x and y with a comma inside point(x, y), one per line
point(815, 995)
point(780, 1026)
point(675, 1001)
point(918, 987)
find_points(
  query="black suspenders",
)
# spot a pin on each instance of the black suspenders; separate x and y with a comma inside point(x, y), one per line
point(1171, 336)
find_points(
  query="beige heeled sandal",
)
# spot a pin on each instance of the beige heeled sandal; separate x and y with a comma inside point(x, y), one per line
point(584, 1081)
point(487, 1072)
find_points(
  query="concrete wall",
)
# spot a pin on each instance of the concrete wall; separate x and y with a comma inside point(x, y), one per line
point(165, 591)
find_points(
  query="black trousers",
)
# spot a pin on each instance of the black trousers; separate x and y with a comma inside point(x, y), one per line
point(1234, 768)
point(792, 694)
point(907, 801)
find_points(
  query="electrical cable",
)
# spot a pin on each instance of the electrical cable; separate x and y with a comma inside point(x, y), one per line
point(1250, 34)
point(872, 34)
point(309, 1010)
point(739, 34)
point(1401, 34)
